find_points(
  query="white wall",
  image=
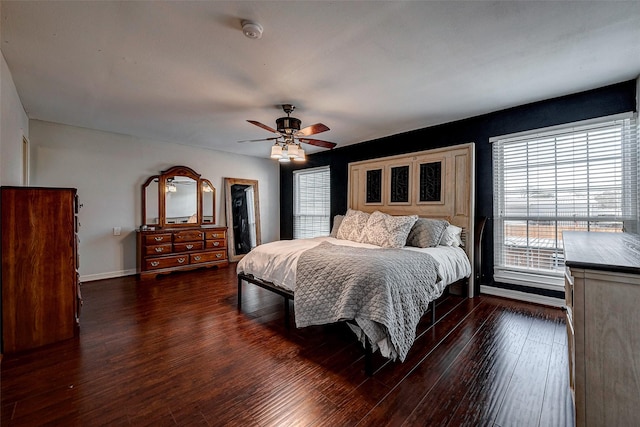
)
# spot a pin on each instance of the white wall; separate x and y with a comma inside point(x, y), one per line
point(13, 125)
point(109, 169)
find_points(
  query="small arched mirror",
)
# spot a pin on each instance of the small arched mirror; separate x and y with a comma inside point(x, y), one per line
point(151, 203)
point(208, 202)
point(243, 216)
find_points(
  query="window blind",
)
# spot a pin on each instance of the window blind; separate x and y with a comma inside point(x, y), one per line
point(312, 202)
point(582, 177)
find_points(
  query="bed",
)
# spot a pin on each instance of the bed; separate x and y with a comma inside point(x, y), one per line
point(368, 275)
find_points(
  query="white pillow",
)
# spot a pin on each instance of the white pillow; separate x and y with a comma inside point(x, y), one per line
point(388, 231)
point(353, 225)
point(337, 220)
point(452, 236)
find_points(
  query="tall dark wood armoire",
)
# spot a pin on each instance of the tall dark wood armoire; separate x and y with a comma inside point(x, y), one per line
point(40, 295)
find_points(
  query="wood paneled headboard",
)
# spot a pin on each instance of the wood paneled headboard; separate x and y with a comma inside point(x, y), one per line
point(438, 183)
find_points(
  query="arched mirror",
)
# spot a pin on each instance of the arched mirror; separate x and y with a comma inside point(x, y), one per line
point(178, 197)
point(243, 216)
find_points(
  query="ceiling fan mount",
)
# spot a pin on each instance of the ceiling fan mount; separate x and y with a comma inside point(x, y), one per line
point(288, 125)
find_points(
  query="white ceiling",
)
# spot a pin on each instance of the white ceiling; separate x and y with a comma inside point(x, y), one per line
point(184, 72)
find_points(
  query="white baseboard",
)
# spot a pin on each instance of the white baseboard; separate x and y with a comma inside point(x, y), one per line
point(107, 275)
point(522, 296)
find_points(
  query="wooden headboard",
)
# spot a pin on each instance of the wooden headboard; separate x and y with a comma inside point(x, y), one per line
point(438, 183)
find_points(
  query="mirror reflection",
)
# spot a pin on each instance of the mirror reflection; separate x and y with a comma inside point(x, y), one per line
point(152, 205)
point(243, 216)
point(181, 200)
point(208, 202)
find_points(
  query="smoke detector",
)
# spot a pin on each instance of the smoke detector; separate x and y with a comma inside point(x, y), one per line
point(252, 30)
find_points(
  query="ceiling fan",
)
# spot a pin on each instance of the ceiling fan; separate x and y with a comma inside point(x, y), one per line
point(288, 129)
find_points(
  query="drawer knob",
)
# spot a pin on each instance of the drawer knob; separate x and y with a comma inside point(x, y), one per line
point(181, 260)
point(216, 243)
point(197, 257)
point(159, 239)
point(189, 246)
point(159, 249)
point(155, 263)
point(218, 255)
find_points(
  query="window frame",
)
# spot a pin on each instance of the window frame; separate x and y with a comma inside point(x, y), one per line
point(552, 279)
point(312, 228)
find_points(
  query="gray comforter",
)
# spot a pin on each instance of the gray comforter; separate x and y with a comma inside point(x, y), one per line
point(386, 291)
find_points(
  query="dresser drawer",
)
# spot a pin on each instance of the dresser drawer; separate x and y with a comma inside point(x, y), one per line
point(166, 262)
point(216, 234)
point(217, 243)
point(188, 236)
point(157, 239)
point(188, 246)
point(157, 249)
point(208, 256)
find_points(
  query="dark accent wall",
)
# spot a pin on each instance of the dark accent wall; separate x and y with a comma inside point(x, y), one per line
point(614, 99)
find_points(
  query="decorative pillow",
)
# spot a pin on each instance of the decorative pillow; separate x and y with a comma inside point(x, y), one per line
point(427, 232)
point(337, 220)
point(452, 236)
point(388, 231)
point(352, 226)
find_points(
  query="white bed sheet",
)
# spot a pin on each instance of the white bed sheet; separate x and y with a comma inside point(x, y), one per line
point(276, 262)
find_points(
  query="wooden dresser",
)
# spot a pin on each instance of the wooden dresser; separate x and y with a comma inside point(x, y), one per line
point(173, 249)
point(40, 285)
point(603, 326)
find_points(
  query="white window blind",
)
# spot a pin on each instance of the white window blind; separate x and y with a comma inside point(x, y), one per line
point(311, 202)
point(582, 177)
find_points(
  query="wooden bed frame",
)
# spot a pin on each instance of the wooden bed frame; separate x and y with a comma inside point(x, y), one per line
point(455, 204)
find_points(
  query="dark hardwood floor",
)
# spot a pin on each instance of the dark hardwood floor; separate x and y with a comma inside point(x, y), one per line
point(175, 351)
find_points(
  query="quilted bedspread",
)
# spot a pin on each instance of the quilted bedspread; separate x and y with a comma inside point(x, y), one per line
point(386, 291)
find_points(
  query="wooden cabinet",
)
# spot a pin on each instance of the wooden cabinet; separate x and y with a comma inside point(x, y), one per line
point(603, 320)
point(167, 250)
point(40, 286)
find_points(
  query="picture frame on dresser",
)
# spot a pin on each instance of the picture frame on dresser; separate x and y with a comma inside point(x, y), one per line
point(178, 230)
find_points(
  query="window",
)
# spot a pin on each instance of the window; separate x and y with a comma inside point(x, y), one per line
point(311, 202)
point(582, 177)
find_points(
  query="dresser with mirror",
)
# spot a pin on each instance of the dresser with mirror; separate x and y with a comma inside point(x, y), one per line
point(178, 229)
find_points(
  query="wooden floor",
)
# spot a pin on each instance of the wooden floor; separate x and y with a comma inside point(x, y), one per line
point(175, 351)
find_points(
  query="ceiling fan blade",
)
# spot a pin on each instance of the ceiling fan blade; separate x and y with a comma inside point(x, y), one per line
point(312, 130)
point(318, 142)
point(263, 126)
point(263, 139)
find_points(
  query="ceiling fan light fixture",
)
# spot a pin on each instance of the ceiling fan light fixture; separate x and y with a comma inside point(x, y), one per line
point(288, 128)
point(292, 151)
point(300, 157)
point(276, 151)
